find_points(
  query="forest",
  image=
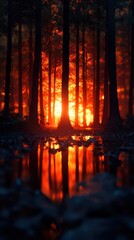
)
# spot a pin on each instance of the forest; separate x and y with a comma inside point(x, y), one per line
point(67, 119)
point(69, 63)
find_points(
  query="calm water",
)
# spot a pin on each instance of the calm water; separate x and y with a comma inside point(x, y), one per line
point(56, 167)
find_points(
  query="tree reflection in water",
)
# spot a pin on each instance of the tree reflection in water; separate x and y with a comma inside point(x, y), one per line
point(33, 168)
point(56, 169)
point(65, 172)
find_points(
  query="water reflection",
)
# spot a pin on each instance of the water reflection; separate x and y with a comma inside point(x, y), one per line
point(56, 168)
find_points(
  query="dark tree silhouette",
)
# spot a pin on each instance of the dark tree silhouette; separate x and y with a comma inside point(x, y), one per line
point(106, 87)
point(84, 75)
point(114, 121)
point(8, 59)
point(50, 83)
point(131, 84)
point(41, 97)
point(33, 111)
point(77, 75)
point(97, 80)
point(54, 94)
point(20, 59)
point(64, 123)
point(30, 43)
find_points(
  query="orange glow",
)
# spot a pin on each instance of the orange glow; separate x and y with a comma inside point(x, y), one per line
point(52, 170)
point(89, 116)
point(55, 107)
point(51, 99)
point(51, 175)
point(57, 111)
point(52, 119)
point(82, 164)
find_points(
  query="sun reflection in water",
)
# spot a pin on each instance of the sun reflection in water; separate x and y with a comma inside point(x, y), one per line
point(60, 171)
point(80, 167)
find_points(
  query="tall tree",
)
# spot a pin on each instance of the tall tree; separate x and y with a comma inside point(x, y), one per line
point(33, 111)
point(84, 75)
point(97, 80)
point(54, 94)
point(20, 59)
point(30, 43)
point(114, 114)
point(64, 123)
point(8, 59)
point(50, 63)
point(50, 83)
point(41, 97)
point(106, 87)
point(77, 75)
point(131, 84)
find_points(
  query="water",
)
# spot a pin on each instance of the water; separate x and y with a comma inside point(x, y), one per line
point(61, 167)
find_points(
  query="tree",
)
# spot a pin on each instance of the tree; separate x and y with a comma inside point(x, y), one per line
point(105, 115)
point(3, 29)
point(97, 80)
point(64, 123)
point(50, 64)
point(50, 83)
point(131, 83)
point(114, 121)
point(8, 59)
point(77, 75)
point(30, 43)
point(20, 58)
point(41, 97)
point(84, 75)
point(33, 111)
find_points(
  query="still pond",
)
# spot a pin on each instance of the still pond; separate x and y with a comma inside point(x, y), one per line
point(61, 167)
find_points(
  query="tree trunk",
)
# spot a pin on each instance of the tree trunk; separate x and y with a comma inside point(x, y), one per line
point(30, 40)
point(97, 82)
point(20, 66)
point(83, 76)
point(114, 122)
point(64, 123)
point(77, 76)
point(131, 83)
point(8, 59)
point(54, 90)
point(12, 101)
point(41, 98)
point(106, 87)
point(49, 84)
point(94, 75)
point(33, 112)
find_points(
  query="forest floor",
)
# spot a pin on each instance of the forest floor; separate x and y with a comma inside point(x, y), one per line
point(104, 212)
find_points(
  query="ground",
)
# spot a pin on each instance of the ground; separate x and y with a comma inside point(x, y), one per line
point(104, 212)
